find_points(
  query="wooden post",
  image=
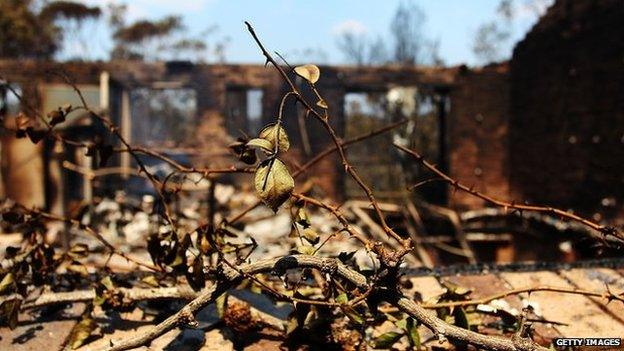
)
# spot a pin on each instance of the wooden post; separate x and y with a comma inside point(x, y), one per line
point(126, 130)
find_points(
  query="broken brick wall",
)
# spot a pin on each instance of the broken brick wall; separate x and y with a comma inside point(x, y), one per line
point(478, 129)
point(567, 108)
point(476, 120)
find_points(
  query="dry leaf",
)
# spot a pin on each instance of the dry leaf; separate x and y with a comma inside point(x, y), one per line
point(302, 217)
point(311, 73)
point(306, 250)
point(81, 332)
point(322, 104)
point(311, 236)
point(273, 182)
point(6, 282)
point(263, 144)
point(270, 133)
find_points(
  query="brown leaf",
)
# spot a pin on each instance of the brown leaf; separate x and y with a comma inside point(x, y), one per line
point(322, 104)
point(9, 311)
point(56, 116)
point(311, 73)
point(35, 135)
point(78, 251)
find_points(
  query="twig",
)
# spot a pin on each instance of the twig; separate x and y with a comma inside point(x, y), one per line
point(324, 119)
point(230, 277)
point(605, 230)
point(89, 230)
point(316, 159)
point(606, 295)
point(180, 292)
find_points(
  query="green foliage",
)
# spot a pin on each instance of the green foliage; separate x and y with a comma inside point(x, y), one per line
point(386, 340)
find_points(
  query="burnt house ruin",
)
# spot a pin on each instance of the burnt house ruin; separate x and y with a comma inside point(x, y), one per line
point(545, 127)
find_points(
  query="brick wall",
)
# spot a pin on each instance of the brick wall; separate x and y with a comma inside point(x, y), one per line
point(478, 130)
point(567, 107)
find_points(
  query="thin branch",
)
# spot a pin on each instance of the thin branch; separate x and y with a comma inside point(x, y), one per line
point(605, 230)
point(444, 330)
point(278, 265)
point(180, 292)
point(229, 279)
point(324, 119)
point(316, 159)
point(89, 230)
point(609, 296)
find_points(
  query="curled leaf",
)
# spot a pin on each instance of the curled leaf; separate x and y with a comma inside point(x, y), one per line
point(7, 282)
point(58, 116)
point(263, 144)
point(302, 217)
point(311, 236)
point(35, 135)
point(455, 291)
point(461, 319)
point(273, 183)
point(271, 133)
point(322, 104)
point(196, 278)
point(244, 153)
point(107, 283)
point(311, 73)
point(77, 267)
point(306, 250)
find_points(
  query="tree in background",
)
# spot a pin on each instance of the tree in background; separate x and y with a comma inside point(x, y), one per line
point(353, 46)
point(43, 29)
point(409, 44)
point(493, 37)
point(72, 18)
point(36, 29)
point(161, 39)
point(407, 32)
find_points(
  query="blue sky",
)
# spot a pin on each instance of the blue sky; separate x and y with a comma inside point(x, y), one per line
point(293, 25)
